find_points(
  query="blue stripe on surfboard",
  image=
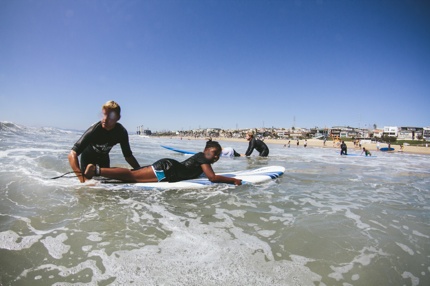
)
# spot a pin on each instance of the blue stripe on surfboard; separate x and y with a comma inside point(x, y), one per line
point(179, 150)
point(186, 151)
point(272, 175)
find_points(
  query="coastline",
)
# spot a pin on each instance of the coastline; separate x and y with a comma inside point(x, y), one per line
point(329, 144)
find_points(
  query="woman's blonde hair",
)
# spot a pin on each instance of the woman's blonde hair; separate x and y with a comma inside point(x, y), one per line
point(112, 106)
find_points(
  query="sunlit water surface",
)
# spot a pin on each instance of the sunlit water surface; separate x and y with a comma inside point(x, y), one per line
point(329, 220)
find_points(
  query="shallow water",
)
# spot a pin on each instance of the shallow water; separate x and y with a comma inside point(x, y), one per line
point(329, 220)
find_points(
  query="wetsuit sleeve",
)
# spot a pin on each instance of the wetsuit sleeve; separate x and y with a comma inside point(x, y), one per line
point(85, 140)
point(125, 144)
point(251, 147)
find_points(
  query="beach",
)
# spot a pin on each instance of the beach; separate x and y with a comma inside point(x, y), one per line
point(329, 144)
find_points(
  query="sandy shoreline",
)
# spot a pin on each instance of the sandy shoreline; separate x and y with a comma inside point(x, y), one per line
point(329, 144)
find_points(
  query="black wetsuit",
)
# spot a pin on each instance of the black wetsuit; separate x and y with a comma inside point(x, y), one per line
point(95, 144)
point(177, 171)
point(258, 145)
point(343, 149)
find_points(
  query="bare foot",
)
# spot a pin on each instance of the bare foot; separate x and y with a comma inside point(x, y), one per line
point(90, 171)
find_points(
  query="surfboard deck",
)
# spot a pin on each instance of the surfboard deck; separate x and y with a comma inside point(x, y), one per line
point(253, 176)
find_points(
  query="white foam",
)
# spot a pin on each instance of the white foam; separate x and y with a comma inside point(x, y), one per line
point(415, 281)
point(364, 258)
point(405, 248)
point(55, 245)
point(9, 238)
point(266, 233)
point(237, 213)
point(211, 254)
point(417, 233)
point(94, 236)
point(357, 219)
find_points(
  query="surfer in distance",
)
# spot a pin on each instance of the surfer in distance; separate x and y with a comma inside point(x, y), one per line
point(343, 149)
point(365, 151)
point(258, 145)
point(169, 170)
point(95, 144)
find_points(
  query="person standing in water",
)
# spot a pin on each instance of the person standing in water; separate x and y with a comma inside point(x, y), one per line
point(95, 144)
point(258, 145)
point(169, 170)
point(343, 149)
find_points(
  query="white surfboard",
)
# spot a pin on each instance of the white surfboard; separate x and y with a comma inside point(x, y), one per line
point(253, 176)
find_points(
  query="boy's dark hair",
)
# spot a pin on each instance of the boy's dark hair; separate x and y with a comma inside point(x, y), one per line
point(213, 144)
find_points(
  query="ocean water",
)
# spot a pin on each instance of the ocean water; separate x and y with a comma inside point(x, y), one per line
point(329, 220)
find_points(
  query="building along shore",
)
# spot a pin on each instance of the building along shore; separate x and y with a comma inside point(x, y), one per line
point(317, 143)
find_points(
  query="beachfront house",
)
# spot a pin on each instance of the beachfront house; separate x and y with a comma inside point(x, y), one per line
point(390, 131)
point(282, 133)
point(410, 133)
point(344, 132)
point(426, 133)
point(363, 133)
point(318, 133)
point(405, 135)
point(296, 133)
point(378, 133)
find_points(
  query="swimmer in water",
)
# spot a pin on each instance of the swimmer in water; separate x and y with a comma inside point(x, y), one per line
point(169, 170)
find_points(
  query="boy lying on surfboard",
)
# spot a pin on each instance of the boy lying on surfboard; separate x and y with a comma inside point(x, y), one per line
point(169, 170)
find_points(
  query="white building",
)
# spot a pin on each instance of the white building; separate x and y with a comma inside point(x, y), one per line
point(405, 135)
point(377, 133)
point(426, 133)
point(391, 131)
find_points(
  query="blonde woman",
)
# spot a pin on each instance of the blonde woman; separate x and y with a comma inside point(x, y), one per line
point(258, 145)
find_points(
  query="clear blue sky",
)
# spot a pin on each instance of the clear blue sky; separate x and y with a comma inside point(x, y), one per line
point(227, 64)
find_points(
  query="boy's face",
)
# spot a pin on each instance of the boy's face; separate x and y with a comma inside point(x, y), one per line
point(109, 119)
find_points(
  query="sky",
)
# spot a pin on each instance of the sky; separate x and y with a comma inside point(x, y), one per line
point(187, 64)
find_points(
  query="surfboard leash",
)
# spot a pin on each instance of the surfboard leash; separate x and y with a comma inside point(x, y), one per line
point(64, 176)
